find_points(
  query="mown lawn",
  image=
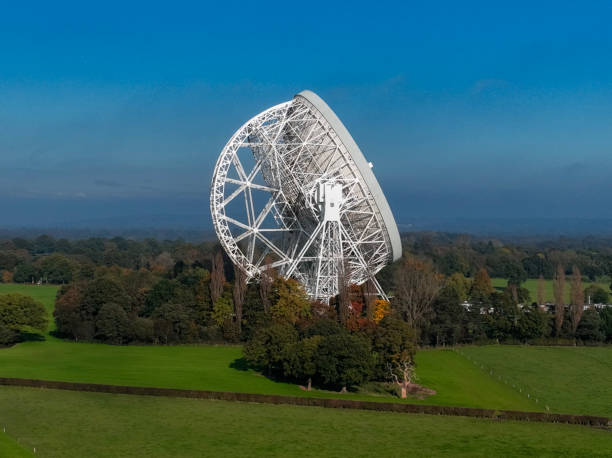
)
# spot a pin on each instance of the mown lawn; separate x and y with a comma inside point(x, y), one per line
point(531, 285)
point(567, 379)
point(74, 424)
point(10, 448)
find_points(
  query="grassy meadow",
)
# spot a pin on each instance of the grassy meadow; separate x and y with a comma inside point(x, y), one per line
point(567, 379)
point(531, 285)
point(9, 447)
point(79, 424)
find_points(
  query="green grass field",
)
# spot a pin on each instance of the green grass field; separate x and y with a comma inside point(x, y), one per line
point(532, 286)
point(74, 424)
point(9, 447)
point(567, 379)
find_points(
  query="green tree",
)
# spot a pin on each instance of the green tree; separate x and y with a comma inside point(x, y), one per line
point(344, 360)
point(596, 294)
point(589, 328)
point(172, 323)
point(532, 323)
point(112, 324)
point(25, 273)
point(393, 343)
point(460, 284)
point(290, 301)
point(445, 325)
point(57, 269)
point(301, 363)
point(605, 315)
point(20, 313)
point(270, 347)
point(161, 293)
point(99, 292)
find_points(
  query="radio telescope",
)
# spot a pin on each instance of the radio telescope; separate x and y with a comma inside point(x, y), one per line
point(292, 191)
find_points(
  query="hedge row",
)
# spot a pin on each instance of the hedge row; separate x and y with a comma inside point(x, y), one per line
point(316, 402)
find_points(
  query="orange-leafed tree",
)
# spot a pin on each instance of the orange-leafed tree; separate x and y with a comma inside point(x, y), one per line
point(382, 308)
point(7, 276)
point(481, 287)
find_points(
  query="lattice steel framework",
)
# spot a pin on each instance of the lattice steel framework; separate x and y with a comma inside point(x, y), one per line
point(287, 194)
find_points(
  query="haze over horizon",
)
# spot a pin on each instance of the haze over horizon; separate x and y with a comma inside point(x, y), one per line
point(479, 112)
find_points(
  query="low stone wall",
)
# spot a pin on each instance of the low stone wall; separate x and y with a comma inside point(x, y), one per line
point(314, 402)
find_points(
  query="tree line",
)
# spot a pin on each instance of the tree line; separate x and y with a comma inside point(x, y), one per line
point(122, 291)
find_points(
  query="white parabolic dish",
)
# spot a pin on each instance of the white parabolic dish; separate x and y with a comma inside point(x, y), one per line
point(292, 191)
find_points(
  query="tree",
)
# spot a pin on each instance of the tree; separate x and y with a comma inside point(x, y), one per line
point(394, 344)
point(57, 269)
point(112, 324)
point(265, 289)
point(589, 328)
point(68, 316)
point(577, 295)
point(20, 313)
point(402, 375)
point(596, 295)
point(445, 325)
point(541, 299)
point(382, 308)
point(223, 310)
point(25, 273)
point(344, 298)
point(162, 292)
point(460, 284)
point(172, 323)
point(369, 298)
point(344, 360)
point(217, 276)
point(559, 295)
point(270, 347)
point(532, 323)
point(605, 316)
point(238, 294)
point(416, 286)
point(290, 301)
point(302, 359)
point(7, 276)
point(481, 287)
point(99, 292)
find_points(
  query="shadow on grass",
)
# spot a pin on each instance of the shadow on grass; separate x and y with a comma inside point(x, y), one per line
point(240, 364)
point(31, 337)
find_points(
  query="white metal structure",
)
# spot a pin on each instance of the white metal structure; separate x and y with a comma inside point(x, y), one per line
point(292, 191)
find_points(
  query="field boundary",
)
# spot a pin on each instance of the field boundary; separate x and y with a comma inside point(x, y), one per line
point(313, 402)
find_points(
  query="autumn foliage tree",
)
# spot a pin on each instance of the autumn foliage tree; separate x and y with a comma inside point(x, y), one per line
point(559, 295)
point(217, 276)
point(577, 295)
point(290, 301)
point(481, 287)
point(238, 294)
point(540, 294)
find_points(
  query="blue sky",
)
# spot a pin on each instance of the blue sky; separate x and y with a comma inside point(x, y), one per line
point(466, 109)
